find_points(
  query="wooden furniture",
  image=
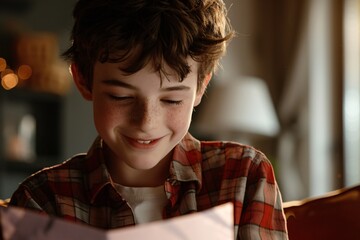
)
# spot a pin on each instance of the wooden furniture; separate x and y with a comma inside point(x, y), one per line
point(333, 216)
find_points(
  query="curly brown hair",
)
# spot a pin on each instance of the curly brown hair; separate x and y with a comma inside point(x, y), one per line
point(137, 32)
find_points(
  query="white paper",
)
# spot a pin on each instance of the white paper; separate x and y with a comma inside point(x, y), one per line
point(213, 224)
point(20, 224)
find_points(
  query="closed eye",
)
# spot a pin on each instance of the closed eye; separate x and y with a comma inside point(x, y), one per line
point(173, 102)
point(120, 98)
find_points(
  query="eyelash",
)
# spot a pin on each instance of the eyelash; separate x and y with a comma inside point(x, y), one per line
point(119, 98)
point(171, 102)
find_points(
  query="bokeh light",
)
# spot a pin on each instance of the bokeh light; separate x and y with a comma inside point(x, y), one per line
point(2, 64)
point(24, 72)
point(9, 81)
point(5, 72)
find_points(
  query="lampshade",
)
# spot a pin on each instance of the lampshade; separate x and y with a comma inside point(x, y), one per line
point(241, 106)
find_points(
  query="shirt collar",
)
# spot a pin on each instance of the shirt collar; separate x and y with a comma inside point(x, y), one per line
point(185, 166)
point(98, 174)
point(186, 163)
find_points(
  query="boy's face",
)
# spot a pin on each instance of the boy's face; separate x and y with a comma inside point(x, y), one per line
point(139, 119)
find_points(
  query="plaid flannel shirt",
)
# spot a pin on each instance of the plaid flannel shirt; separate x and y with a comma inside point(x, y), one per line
point(202, 175)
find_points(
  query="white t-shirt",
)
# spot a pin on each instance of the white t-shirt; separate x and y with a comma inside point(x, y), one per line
point(147, 203)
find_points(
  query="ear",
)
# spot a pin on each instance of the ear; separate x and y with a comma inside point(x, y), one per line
point(201, 91)
point(80, 82)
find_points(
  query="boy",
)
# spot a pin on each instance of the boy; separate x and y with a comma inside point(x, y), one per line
point(145, 65)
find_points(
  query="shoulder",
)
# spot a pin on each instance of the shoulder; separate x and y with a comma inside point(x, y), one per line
point(227, 150)
point(59, 173)
point(236, 159)
point(39, 190)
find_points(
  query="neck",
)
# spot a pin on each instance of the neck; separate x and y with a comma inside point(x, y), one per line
point(125, 175)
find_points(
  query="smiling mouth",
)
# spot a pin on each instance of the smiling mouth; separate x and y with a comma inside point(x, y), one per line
point(144, 141)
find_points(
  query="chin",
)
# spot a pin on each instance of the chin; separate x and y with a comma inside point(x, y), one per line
point(142, 167)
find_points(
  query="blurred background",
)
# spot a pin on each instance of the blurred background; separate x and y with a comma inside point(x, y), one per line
point(289, 85)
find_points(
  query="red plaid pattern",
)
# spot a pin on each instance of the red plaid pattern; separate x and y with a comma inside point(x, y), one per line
point(202, 175)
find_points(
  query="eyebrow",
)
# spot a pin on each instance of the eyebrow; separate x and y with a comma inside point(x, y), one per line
point(119, 83)
point(176, 88)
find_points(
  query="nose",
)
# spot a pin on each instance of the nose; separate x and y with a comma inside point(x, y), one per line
point(146, 115)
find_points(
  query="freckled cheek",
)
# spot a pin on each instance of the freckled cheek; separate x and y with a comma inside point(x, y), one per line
point(108, 116)
point(179, 119)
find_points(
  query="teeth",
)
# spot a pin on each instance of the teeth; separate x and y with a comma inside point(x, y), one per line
point(144, 141)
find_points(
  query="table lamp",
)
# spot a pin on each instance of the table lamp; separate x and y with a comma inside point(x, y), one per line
point(238, 110)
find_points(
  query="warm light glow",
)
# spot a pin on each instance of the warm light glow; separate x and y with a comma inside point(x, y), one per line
point(9, 81)
point(6, 71)
point(238, 111)
point(2, 64)
point(24, 72)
